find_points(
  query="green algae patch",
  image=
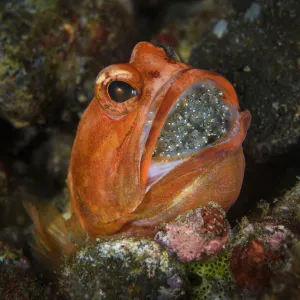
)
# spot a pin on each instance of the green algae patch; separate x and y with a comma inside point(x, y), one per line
point(211, 279)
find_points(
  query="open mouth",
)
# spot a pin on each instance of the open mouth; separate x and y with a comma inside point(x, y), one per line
point(198, 119)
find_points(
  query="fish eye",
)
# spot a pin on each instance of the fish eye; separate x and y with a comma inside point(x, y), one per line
point(120, 91)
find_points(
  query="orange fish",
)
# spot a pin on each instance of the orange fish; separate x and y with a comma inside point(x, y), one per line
point(158, 139)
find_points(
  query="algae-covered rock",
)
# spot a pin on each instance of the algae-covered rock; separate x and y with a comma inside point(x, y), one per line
point(16, 284)
point(259, 253)
point(16, 280)
point(185, 22)
point(51, 52)
point(123, 269)
point(259, 53)
point(264, 258)
point(287, 207)
point(286, 284)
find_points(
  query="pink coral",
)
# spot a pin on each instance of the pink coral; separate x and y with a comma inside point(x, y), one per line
point(196, 235)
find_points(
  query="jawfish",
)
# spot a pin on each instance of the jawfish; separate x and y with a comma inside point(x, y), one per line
point(158, 139)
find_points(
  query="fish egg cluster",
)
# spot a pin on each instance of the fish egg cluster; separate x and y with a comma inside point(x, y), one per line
point(197, 119)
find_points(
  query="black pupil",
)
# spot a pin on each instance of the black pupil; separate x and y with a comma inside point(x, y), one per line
point(120, 91)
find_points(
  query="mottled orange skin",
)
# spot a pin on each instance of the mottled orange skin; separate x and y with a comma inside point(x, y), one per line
point(110, 159)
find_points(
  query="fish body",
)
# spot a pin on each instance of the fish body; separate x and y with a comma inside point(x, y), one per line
point(158, 139)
